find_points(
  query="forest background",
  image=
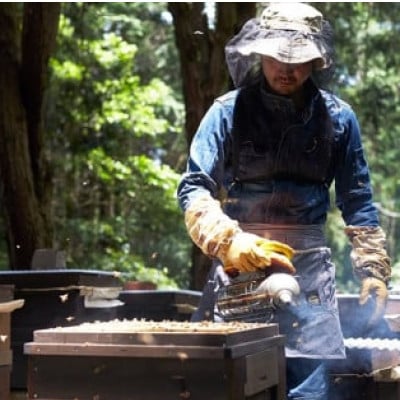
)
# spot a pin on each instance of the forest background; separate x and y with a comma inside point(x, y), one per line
point(99, 103)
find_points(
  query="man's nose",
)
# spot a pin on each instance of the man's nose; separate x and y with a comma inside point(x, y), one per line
point(287, 68)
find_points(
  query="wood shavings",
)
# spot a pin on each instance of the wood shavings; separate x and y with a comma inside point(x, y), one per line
point(143, 326)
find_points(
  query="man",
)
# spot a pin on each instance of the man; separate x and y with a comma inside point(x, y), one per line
point(256, 190)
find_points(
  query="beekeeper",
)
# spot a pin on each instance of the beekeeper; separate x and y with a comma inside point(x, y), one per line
point(256, 190)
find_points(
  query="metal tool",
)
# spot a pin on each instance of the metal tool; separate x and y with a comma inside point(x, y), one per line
point(256, 300)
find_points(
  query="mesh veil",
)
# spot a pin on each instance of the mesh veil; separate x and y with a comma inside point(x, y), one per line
point(241, 66)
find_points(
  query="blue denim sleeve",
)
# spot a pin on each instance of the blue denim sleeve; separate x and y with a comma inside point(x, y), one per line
point(352, 178)
point(205, 170)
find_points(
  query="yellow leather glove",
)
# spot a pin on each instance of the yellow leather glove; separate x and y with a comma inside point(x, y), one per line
point(378, 290)
point(249, 252)
point(219, 236)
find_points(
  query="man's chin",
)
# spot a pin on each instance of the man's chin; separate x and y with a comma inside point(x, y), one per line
point(285, 91)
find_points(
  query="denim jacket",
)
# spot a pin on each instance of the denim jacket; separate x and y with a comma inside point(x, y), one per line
point(279, 197)
point(210, 168)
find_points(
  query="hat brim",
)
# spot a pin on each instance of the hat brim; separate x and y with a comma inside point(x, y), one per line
point(286, 50)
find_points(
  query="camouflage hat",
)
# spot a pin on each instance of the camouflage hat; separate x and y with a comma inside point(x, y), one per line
point(292, 17)
point(292, 33)
point(287, 50)
point(288, 34)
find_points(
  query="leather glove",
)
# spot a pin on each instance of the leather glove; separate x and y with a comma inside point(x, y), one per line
point(378, 290)
point(249, 252)
point(219, 236)
point(371, 265)
point(368, 255)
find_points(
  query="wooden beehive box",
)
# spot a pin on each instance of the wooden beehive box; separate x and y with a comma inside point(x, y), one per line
point(128, 360)
point(7, 306)
point(53, 298)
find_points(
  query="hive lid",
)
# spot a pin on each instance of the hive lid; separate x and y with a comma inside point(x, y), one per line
point(35, 279)
point(158, 333)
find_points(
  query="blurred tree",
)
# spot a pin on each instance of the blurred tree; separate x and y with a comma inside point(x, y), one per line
point(368, 58)
point(201, 37)
point(116, 141)
point(108, 145)
point(27, 39)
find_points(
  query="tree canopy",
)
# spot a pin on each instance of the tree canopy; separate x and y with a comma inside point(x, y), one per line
point(100, 102)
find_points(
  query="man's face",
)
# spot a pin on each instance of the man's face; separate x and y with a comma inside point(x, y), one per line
point(285, 79)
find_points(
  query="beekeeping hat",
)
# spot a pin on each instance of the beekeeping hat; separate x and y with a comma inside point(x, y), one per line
point(291, 33)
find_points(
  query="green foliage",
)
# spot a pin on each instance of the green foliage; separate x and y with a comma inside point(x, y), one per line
point(110, 134)
point(115, 136)
point(368, 58)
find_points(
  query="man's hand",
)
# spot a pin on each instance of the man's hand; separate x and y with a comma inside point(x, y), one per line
point(371, 265)
point(378, 290)
point(249, 252)
point(219, 236)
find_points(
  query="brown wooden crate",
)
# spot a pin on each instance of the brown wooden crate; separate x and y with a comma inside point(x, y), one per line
point(112, 360)
point(5, 331)
point(5, 323)
point(5, 357)
point(5, 382)
point(134, 376)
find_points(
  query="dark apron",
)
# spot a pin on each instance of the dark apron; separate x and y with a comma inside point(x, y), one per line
point(312, 326)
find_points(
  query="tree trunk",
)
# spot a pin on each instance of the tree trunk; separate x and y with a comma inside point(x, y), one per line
point(22, 79)
point(204, 72)
point(40, 26)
